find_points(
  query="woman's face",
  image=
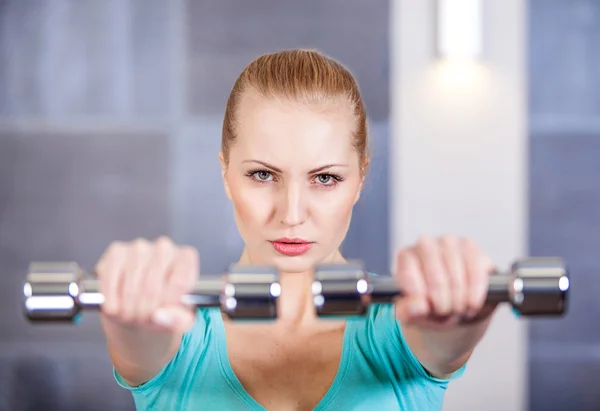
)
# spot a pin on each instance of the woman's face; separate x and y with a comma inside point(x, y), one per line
point(293, 177)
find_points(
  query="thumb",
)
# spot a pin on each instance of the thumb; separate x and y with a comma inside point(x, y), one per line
point(175, 318)
point(411, 308)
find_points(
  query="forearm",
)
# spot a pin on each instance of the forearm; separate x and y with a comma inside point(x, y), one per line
point(442, 352)
point(139, 354)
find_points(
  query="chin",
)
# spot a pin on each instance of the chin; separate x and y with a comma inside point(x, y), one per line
point(293, 265)
point(297, 264)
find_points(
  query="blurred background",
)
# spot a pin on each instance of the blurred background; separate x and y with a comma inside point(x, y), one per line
point(485, 121)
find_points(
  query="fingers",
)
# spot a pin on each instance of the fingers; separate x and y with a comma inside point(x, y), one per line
point(143, 283)
point(436, 276)
point(412, 283)
point(455, 268)
point(478, 269)
point(135, 269)
point(154, 279)
point(183, 275)
point(182, 278)
point(110, 273)
point(447, 277)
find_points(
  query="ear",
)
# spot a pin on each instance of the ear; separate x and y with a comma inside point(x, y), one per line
point(224, 174)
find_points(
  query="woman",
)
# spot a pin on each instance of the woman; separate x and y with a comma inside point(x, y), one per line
point(294, 158)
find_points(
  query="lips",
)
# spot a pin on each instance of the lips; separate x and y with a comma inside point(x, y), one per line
point(291, 246)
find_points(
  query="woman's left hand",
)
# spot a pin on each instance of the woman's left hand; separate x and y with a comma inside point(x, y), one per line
point(444, 281)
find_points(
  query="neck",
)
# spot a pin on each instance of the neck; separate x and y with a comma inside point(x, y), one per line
point(295, 306)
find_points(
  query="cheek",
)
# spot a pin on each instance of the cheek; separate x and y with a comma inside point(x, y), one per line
point(335, 209)
point(251, 209)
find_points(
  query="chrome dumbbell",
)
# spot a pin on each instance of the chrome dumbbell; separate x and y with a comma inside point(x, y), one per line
point(61, 291)
point(533, 286)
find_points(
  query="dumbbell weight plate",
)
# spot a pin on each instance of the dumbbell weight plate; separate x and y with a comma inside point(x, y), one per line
point(251, 292)
point(340, 290)
point(50, 292)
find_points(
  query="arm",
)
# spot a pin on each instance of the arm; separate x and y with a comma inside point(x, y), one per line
point(443, 352)
point(139, 354)
point(142, 317)
point(442, 313)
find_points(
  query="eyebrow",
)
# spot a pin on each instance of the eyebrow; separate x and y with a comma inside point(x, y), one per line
point(277, 170)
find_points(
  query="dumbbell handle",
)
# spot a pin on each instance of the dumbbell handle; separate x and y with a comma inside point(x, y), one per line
point(209, 291)
point(385, 289)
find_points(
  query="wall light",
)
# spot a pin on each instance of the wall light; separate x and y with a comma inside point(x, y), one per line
point(459, 29)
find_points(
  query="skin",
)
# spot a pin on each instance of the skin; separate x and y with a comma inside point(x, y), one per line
point(278, 193)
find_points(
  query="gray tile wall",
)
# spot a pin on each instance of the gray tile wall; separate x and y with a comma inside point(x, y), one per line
point(564, 67)
point(110, 118)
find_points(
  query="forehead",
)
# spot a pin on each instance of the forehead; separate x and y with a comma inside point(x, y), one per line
point(278, 131)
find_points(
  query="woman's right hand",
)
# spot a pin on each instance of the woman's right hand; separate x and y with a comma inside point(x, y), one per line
point(143, 283)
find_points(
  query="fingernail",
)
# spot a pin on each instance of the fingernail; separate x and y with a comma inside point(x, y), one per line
point(162, 317)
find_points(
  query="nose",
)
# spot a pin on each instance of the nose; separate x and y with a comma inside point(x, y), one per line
point(294, 210)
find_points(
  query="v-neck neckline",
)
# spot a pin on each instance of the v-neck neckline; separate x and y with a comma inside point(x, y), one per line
point(236, 385)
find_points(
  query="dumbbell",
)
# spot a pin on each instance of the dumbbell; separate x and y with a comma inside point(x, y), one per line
point(61, 291)
point(535, 286)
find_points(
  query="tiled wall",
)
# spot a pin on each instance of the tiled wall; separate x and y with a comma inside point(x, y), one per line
point(110, 118)
point(564, 75)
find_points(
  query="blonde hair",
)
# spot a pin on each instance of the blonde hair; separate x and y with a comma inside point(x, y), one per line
point(303, 76)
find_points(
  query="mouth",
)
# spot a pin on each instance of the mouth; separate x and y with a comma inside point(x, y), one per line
point(286, 240)
point(291, 246)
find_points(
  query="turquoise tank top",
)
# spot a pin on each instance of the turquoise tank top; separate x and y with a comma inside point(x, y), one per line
point(377, 371)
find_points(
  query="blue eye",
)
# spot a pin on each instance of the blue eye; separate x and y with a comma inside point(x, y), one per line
point(324, 178)
point(262, 175)
point(328, 180)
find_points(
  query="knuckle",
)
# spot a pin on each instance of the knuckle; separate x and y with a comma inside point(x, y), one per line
point(113, 253)
point(425, 242)
point(164, 239)
point(448, 241)
point(140, 244)
point(469, 245)
point(190, 253)
point(163, 243)
point(116, 247)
